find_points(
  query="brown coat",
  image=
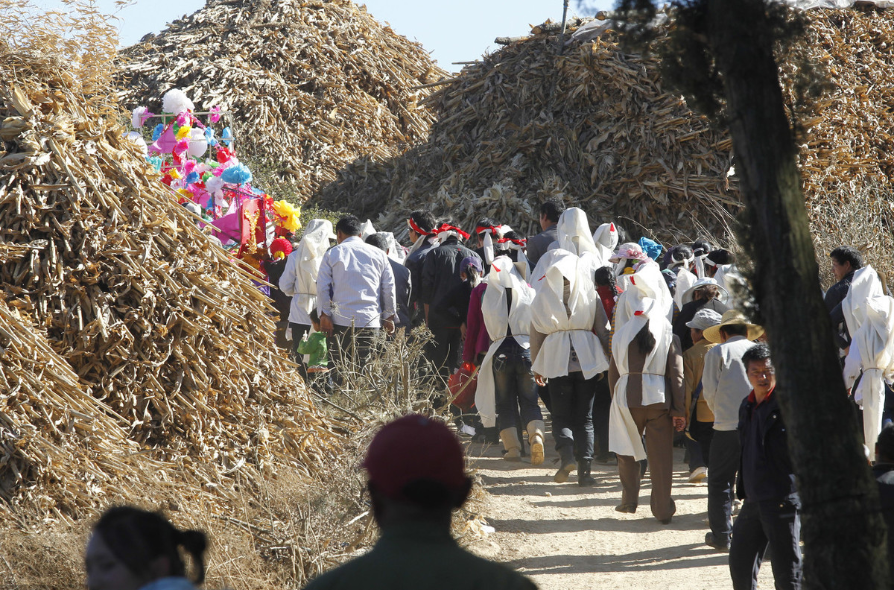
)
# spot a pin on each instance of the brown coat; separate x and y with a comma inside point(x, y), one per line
point(675, 400)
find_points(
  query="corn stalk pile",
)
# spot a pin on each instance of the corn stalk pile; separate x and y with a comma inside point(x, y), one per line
point(310, 86)
point(597, 127)
point(123, 326)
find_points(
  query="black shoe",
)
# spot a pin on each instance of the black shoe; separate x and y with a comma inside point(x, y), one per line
point(606, 459)
point(584, 479)
point(628, 508)
point(711, 541)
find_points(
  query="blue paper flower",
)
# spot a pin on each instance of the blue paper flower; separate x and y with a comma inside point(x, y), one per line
point(192, 177)
point(156, 133)
point(238, 174)
point(209, 136)
point(226, 136)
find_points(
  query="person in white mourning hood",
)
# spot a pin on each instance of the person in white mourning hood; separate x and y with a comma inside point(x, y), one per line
point(569, 343)
point(572, 235)
point(870, 320)
point(299, 277)
point(505, 394)
point(646, 376)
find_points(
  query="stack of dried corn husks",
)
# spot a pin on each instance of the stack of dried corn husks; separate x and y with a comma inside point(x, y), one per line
point(310, 86)
point(597, 127)
point(129, 322)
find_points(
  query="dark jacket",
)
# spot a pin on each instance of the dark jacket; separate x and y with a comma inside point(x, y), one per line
point(440, 274)
point(681, 330)
point(833, 298)
point(765, 471)
point(403, 289)
point(414, 262)
point(537, 245)
point(884, 477)
point(281, 301)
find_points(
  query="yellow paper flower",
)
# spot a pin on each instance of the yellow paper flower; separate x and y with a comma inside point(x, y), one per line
point(183, 132)
point(287, 216)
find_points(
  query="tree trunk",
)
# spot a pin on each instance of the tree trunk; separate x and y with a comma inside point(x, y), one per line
point(843, 530)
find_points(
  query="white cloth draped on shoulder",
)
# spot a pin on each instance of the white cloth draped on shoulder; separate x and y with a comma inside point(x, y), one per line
point(498, 319)
point(299, 278)
point(872, 348)
point(624, 437)
point(564, 330)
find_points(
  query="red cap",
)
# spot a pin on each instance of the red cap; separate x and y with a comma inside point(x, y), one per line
point(281, 245)
point(412, 448)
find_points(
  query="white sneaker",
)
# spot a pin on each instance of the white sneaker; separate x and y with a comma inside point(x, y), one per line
point(698, 475)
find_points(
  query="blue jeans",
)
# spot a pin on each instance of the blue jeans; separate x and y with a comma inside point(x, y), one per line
point(772, 523)
point(515, 396)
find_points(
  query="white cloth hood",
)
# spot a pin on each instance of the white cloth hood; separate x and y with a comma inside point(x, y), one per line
point(395, 251)
point(645, 283)
point(367, 229)
point(864, 286)
point(606, 239)
point(573, 233)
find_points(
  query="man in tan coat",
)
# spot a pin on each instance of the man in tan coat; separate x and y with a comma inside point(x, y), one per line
point(699, 418)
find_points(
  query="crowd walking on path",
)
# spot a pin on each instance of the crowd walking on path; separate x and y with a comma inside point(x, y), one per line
point(632, 347)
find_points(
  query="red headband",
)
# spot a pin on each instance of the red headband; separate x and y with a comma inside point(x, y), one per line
point(494, 230)
point(417, 229)
point(446, 227)
point(520, 242)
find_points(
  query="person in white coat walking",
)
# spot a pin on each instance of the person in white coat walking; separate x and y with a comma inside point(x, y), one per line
point(299, 278)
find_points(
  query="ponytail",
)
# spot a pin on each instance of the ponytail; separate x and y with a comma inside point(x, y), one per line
point(138, 537)
point(645, 340)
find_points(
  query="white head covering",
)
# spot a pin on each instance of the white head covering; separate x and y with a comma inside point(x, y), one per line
point(307, 258)
point(366, 229)
point(645, 283)
point(606, 239)
point(395, 251)
point(498, 319)
point(564, 329)
point(573, 233)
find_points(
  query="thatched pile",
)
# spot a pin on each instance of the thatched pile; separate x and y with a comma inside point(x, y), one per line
point(310, 86)
point(124, 331)
point(597, 127)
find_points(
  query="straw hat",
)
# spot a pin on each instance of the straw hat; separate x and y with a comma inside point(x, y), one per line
point(687, 296)
point(732, 318)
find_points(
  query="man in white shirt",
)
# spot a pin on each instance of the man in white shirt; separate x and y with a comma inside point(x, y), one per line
point(355, 293)
point(724, 385)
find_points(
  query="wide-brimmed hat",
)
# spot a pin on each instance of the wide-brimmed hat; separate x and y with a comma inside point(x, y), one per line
point(687, 296)
point(704, 319)
point(732, 317)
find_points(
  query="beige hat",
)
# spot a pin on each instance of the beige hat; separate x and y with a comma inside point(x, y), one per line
point(732, 318)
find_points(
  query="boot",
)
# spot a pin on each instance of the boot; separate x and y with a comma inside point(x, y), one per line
point(584, 479)
point(568, 465)
point(535, 438)
point(509, 436)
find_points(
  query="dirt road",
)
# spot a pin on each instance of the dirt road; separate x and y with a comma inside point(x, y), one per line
point(566, 537)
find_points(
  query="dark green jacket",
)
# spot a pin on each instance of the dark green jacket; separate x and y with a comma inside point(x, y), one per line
point(420, 556)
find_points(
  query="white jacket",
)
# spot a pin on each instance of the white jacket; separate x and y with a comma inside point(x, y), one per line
point(498, 319)
point(548, 316)
point(299, 277)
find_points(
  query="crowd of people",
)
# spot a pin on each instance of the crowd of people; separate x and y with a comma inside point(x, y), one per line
point(632, 348)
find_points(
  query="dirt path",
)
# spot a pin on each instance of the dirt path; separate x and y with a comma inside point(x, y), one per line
point(566, 537)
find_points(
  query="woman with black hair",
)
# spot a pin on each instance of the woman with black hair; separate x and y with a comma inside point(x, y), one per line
point(133, 549)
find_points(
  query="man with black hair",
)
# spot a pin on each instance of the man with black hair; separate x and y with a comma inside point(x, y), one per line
point(416, 470)
point(440, 275)
point(770, 517)
point(422, 225)
point(846, 260)
point(550, 211)
point(355, 293)
point(724, 385)
point(403, 285)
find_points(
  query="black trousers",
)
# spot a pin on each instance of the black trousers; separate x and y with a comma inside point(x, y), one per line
point(571, 398)
point(298, 332)
point(723, 463)
point(444, 350)
point(602, 405)
point(349, 349)
point(773, 524)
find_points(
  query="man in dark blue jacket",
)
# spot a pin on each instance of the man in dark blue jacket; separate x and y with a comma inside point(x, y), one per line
point(770, 514)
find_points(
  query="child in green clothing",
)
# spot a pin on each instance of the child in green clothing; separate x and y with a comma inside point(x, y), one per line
point(315, 346)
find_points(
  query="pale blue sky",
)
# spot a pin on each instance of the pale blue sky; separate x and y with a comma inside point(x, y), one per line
point(456, 30)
